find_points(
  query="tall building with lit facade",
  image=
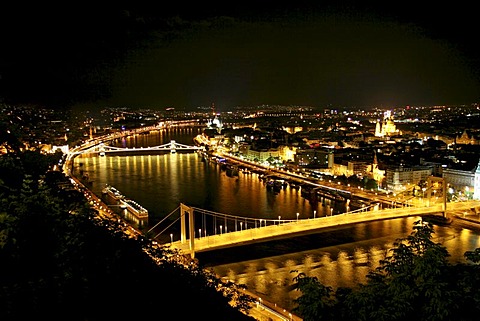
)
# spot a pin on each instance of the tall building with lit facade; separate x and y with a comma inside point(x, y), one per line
point(399, 178)
point(314, 157)
point(464, 182)
point(476, 183)
point(349, 168)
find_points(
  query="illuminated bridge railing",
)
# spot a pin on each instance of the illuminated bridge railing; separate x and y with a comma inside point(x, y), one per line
point(172, 146)
point(216, 230)
point(214, 223)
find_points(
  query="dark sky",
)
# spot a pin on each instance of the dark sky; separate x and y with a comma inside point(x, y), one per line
point(317, 53)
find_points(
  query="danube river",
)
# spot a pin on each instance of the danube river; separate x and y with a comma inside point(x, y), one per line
point(341, 258)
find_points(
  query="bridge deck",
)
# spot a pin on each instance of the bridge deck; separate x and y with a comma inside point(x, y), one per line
point(170, 147)
point(307, 226)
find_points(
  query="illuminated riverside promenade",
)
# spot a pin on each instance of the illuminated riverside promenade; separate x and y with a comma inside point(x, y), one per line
point(249, 231)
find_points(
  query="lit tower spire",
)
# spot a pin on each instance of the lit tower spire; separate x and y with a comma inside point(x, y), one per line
point(378, 129)
point(375, 162)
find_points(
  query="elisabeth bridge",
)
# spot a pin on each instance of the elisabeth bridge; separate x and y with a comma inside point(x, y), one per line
point(202, 230)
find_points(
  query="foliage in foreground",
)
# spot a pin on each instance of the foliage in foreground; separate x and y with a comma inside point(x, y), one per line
point(59, 261)
point(414, 282)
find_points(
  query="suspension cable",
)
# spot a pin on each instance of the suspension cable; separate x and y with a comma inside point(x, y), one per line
point(163, 219)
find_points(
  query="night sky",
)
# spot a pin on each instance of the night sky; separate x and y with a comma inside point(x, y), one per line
point(185, 55)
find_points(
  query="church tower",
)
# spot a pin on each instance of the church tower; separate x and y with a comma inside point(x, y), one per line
point(378, 129)
point(375, 162)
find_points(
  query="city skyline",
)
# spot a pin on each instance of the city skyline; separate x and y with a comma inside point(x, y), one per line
point(340, 55)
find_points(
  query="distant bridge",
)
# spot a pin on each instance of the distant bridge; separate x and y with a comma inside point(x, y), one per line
point(213, 231)
point(172, 147)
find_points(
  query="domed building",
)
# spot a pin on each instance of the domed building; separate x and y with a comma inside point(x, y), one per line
point(215, 123)
point(466, 139)
point(387, 126)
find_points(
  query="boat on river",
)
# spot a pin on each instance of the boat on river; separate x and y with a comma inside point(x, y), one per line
point(437, 219)
point(357, 203)
point(125, 207)
point(231, 170)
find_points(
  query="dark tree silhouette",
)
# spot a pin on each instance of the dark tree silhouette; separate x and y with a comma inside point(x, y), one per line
point(60, 261)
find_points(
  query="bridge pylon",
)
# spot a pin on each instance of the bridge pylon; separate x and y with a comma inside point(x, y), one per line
point(184, 211)
point(173, 147)
point(440, 180)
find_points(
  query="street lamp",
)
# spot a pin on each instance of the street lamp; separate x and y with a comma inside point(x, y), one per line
point(314, 214)
point(199, 233)
point(171, 238)
point(220, 229)
point(331, 212)
point(241, 226)
point(297, 216)
point(423, 195)
point(279, 220)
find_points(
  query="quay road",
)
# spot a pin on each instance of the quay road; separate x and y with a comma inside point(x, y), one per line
point(382, 198)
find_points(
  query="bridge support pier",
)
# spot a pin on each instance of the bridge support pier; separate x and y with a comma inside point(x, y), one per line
point(184, 211)
point(444, 191)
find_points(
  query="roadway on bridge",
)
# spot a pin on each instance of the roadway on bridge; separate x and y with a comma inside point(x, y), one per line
point(307, 226)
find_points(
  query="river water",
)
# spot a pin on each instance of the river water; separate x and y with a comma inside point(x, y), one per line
point(340, 258)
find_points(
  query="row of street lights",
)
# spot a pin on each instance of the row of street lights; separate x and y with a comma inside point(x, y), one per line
point(264, 221)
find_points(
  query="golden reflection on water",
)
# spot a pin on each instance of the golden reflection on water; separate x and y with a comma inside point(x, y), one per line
point(334, 266)
point(274, 279)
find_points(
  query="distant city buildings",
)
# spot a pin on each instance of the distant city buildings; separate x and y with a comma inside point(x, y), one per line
point(399, 148)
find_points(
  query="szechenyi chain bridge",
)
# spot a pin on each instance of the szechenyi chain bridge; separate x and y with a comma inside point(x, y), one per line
point(172, 147)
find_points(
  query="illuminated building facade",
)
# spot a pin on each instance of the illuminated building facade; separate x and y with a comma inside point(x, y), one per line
point(464, 182)
point(399, 178)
